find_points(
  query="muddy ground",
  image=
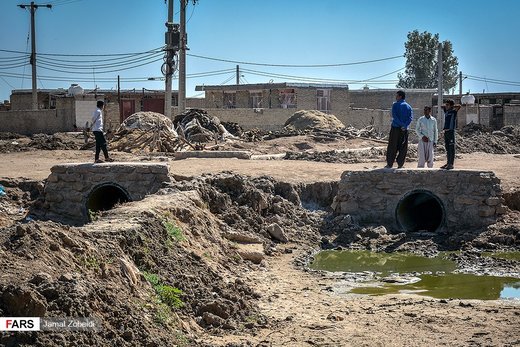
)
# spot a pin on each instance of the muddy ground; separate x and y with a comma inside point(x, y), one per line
point(198, 265)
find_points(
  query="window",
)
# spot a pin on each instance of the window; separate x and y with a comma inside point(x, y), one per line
point(255, 99)
point(287, 98)
point(323, 100)
point(230, 100)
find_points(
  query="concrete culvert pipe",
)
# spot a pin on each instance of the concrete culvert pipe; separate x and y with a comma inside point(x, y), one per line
point(104, 197)
point(420, 210)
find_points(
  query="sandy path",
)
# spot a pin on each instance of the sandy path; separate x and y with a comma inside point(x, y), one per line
point(37, 165)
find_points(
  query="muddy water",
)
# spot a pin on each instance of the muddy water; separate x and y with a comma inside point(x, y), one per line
point(407, 273)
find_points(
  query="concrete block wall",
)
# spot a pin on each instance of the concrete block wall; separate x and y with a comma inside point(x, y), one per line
point(248, 118)
point(383, 99)
point(306, 99)
point(29, 122)
point(511, 114)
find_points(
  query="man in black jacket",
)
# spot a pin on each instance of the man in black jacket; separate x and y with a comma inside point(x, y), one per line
point(450, 124)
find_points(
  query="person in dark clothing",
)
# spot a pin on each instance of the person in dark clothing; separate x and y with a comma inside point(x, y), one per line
point(97, 129)
point(402, 115)
point(450, 124)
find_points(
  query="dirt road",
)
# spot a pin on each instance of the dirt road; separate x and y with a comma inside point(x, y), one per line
point(37, 164)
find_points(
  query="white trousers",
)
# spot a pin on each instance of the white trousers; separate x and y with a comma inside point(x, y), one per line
point(425, 153)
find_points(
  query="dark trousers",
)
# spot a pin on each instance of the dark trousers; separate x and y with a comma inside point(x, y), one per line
point(101, 144)
point(397, 146)
point(449, 142)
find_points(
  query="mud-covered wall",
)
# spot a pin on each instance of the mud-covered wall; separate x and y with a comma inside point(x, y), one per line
point(470, 199)
point(69, 185)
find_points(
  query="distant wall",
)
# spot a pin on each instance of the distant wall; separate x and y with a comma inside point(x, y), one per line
point(512, 114)
point(34, 122)
point(275, 118)
point(383, 99)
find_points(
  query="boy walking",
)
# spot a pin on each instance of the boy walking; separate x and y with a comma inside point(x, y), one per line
point(97, 129)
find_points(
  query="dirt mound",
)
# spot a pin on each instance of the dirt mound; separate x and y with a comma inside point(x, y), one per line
point(9, 136)
point(512, 199)
point(477, 138)
point(19, 143)
point(312, 119)
point(162, 271)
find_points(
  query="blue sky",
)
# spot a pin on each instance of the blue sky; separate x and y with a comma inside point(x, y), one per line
point(484, 36)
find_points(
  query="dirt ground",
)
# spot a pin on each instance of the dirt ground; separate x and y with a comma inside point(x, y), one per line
point(229, 299)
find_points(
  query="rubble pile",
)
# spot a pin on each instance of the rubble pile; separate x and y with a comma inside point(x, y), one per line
point(153, 132)
point(196, 126)
point(346, 157)
point(52, 142)
point(478, 138)
point(146, 131)
point(317, 134)
point(10, 142)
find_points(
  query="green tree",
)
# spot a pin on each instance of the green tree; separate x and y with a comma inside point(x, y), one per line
point(421, 62)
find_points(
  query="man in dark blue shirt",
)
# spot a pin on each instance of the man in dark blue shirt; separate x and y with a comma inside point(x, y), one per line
point(402, 115)
point(450, 124)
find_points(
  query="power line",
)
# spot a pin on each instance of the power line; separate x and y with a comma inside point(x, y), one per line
point(44, 66)
point(87, 55)
point(295, 65)
point(317, 79)
point(9, 84)
point(50, 62)
point(492, 80)
point(114, 79)
point(65, 2)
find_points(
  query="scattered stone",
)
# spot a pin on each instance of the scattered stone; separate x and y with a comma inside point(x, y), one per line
point(277, 233)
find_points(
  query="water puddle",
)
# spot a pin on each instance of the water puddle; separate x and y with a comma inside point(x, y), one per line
point(408, 273)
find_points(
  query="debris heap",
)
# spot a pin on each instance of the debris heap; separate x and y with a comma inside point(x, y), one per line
point(154, 132)
point(196, 126)
point(146, 131)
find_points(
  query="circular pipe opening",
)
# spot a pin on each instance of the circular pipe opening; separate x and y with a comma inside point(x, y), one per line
point(104, 197)
point(420, 210)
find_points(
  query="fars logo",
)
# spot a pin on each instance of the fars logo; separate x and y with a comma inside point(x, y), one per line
point(20, 324)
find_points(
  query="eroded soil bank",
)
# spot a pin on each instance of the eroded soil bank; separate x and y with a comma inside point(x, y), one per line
point(236, 248)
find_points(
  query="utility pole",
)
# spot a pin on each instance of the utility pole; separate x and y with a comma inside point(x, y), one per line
point(460, 86)
point(182, 58)
point(439, 91)
point(168, 66)
point(238, 75)
point(33, 8)
point(119, 99)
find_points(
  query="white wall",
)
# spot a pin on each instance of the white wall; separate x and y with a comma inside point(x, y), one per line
point(84, 111)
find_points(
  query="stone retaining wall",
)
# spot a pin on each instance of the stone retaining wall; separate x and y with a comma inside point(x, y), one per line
point(470, 199)
point(69, 185)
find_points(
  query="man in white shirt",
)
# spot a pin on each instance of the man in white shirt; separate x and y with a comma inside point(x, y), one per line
point(426, 129)
point(97, 130)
